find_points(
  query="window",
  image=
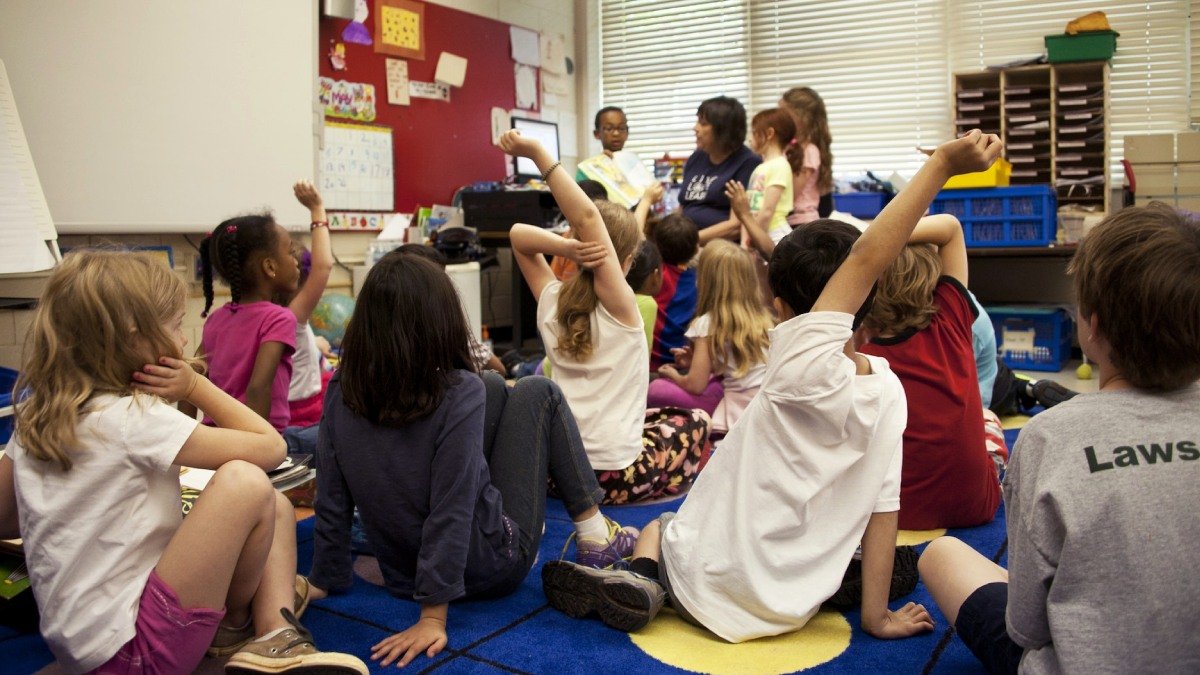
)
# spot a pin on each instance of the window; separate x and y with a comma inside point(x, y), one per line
point(884, 69)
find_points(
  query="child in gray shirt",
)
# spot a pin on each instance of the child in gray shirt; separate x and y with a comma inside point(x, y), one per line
point(1101, 528)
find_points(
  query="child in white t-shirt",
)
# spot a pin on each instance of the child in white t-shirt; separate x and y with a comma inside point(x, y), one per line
point(92, 474)
point(729, 338)
point(810, 472)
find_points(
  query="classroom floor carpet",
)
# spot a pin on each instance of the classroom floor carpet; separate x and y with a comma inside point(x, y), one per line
point(522, 634)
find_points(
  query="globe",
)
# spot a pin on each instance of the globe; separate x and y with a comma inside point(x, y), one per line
point(330, 316)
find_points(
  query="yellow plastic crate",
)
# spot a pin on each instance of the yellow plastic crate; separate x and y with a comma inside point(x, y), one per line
point(995, 176)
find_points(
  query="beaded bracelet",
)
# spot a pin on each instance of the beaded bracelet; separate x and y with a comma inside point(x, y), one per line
point(547, 172)
point(318, 223)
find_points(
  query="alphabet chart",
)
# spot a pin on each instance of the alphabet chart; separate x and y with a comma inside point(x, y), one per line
point(356, 168)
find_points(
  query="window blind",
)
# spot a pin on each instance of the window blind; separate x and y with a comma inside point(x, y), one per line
point(881, 70)
point(661, 58)
point(1149, 81)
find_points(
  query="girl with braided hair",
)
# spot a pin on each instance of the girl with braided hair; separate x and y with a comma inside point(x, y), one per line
point(248, 342)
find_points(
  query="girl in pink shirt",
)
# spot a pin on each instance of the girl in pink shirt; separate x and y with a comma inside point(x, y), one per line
point(815, 177)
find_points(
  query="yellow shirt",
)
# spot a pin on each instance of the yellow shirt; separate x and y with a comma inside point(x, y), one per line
point(769, 174)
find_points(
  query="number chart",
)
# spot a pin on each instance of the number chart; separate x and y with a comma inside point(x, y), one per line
point(356, 168)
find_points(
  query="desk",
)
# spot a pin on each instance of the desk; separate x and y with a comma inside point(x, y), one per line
point(1015, 275)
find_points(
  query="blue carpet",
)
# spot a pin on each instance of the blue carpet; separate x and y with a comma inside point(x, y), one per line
point(521, 634)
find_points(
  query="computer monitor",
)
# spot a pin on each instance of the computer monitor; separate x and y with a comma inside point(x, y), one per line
point(546, 133)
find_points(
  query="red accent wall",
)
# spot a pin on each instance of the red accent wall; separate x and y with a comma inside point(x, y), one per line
point(438, 146)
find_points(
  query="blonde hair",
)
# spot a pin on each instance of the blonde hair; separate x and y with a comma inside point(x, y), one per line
point(729, 294)
point(904, 298)
point(577, 301)
point(100, 319)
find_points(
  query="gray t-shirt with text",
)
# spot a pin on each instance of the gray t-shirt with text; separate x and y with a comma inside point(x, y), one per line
point(1103, 500)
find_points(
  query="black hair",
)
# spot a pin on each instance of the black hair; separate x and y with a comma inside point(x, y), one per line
point(646, 259)
point(601, 112)
point(677, 237)
point(407, 336)
point(594, 189)
point(229, 249)
point(806, 258)
point(728, 119)
point(427, 252)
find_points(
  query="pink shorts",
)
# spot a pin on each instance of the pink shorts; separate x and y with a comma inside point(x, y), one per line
point(168, 638)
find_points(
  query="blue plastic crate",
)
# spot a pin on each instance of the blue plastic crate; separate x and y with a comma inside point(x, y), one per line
point(861, 204)
point(8, 379)
point(1024, 215)
point(1033, 338)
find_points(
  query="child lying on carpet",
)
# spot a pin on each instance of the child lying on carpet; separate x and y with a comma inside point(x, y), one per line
point(812, 468)
point(447, 468)
point(1100, 528)
point(921, 320)
point(122, 584)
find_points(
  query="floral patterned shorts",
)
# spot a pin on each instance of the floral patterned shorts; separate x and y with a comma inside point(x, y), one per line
point(675, 447)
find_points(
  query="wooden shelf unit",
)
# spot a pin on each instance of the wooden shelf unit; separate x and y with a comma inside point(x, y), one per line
point(1054, 122)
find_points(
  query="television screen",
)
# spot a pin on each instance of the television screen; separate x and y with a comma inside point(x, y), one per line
point(546, 133)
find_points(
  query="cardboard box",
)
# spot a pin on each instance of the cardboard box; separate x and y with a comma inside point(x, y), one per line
point(1187, 146)
point(1150, 148)
point(1154, 179)
point(1187, 179)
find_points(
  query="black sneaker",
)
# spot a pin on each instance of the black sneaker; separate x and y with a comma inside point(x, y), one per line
point(624, 600)
point(1050, 393)
point(904, 580)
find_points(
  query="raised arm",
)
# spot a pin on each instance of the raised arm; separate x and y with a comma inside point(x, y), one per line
point(322, 254)
point(945, 232)
point(530, 245)
point(584, 217)
point(883, 240)
point(652, 196)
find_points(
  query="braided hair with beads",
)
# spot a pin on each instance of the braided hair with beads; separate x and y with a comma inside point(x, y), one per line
point(228, 251)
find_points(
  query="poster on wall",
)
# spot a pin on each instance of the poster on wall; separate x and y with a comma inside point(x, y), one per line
point(397, 82)
point(352, 100)
point(400, 28)
point(527, 87)
point(356, 168)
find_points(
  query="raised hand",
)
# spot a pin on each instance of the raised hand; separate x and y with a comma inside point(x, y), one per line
point(974, 151)
point(513, 143)
point(306, 193)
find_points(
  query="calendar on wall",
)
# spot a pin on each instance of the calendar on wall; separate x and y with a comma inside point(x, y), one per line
point(356, 171)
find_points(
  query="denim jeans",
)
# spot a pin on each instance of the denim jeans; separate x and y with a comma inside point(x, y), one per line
point(301, 440)
point(530, 433)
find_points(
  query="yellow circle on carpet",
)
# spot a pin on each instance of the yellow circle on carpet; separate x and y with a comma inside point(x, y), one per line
point(675, 642)
point(916, 537)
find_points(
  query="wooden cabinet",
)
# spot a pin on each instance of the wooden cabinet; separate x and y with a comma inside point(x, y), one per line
point(1054, 122)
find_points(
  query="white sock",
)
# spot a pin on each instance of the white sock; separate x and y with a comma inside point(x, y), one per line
point(593, 529)
point(272, 634)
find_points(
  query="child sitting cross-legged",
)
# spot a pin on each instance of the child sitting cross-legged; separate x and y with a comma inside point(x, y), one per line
point(448, 468)
point(922, 318)
point(1101, 570)
point(810, 471)
point(729, 338)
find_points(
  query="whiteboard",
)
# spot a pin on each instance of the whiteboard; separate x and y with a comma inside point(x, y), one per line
point(356, 167)
point(165, 116)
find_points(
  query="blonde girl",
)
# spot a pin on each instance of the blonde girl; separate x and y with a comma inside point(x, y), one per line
point(763, 206)
point(594, 338)
point(814, 180)
point(93, 476)
point(728, 337)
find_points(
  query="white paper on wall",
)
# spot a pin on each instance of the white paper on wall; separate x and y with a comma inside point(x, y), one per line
point(356, 168)
point(526, 48)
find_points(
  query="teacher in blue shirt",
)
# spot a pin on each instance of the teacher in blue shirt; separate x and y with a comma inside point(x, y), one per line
point(721, 156)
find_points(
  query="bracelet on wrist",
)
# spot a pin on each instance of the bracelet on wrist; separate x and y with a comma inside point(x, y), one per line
point(550, 170)
point(318, 223)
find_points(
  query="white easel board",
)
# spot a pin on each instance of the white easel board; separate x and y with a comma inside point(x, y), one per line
point(356, 167)
point(27, 234)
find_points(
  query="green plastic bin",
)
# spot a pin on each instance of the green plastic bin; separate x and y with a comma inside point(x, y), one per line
point(1092, 46)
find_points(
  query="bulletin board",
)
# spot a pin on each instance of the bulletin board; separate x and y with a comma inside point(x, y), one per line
point(438, 146)
point(356, 171)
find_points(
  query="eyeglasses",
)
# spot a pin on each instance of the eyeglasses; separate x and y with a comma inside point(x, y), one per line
point(623, 129)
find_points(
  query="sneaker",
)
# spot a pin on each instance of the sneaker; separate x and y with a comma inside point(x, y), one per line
point(904, 580)
point(611, 553)
point(1050, 393)
point(229, 640)
point(291, 650)
point(624, 600)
